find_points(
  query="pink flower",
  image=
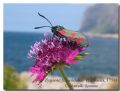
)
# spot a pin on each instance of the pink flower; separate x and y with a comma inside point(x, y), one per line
point(50, 52)
point(72, 55)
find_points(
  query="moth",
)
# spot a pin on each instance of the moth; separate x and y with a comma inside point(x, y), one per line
point(76, 38)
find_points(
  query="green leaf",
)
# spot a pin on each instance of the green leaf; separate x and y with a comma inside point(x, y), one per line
point(81, 56)
point(78, 58)
point(67, 65)
point(53, 68)
point(84, 54)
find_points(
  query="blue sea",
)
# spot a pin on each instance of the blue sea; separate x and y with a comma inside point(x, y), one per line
point(103, 58)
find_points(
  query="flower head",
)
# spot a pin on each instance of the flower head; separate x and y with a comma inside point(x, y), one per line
point(51, 52)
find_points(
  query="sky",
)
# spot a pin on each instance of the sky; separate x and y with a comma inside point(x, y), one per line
point(24, 17)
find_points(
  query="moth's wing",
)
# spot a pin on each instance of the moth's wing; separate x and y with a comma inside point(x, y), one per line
point(73, 34)
point(77, 35)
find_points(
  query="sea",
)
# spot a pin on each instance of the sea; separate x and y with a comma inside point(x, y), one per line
point(102, 58)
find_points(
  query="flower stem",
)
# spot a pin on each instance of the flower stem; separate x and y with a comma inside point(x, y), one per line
point(65, 78)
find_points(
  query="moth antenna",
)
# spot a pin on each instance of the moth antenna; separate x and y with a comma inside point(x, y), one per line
point(42, 27)
point(45, 18)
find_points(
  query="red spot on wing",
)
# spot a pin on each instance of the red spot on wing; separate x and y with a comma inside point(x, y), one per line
point(79, 40)
point(61, 31)
point(73, 35)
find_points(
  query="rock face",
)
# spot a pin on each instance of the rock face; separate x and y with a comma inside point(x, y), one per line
point(101, 18)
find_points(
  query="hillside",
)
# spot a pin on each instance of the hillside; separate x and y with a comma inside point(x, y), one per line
point(101, 18)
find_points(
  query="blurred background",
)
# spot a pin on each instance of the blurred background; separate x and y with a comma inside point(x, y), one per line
point(99, 22)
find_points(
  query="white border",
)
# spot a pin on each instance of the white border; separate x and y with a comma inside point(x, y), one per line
point(61, 1)
point(35, 1)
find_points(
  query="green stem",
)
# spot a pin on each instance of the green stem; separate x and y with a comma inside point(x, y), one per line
point(65, 78)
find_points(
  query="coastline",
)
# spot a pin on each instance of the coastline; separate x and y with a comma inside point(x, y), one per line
point(113, 36)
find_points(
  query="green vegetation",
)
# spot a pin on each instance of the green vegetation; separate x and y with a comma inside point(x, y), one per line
point(12, 79)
